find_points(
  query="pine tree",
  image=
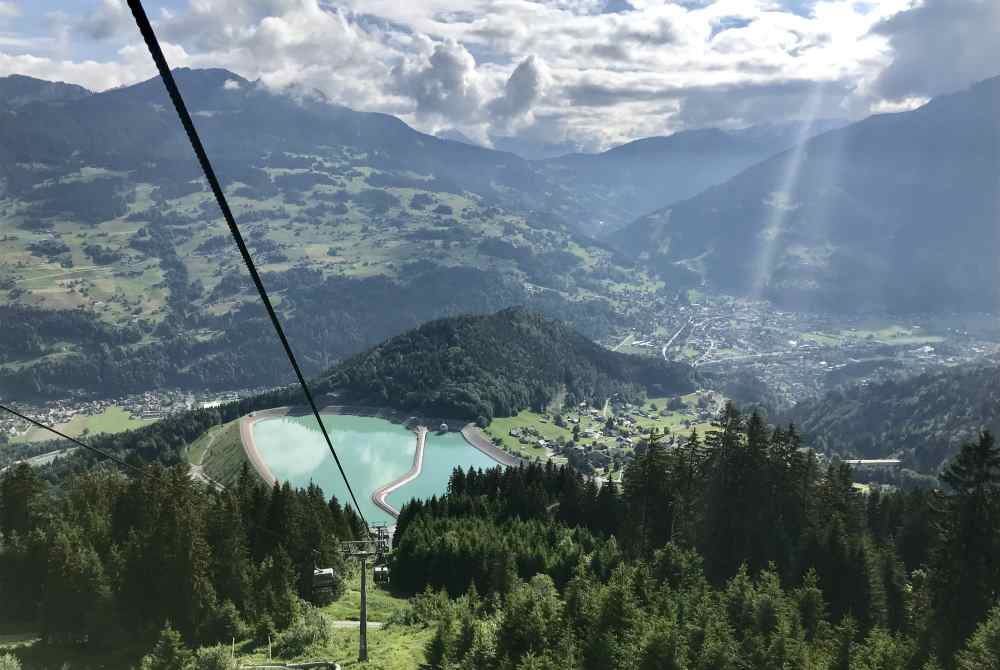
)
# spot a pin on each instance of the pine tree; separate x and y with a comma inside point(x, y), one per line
point(20, 488)
point(170, 653)
point(965, 569)
point(982, 651)
point(648, 497)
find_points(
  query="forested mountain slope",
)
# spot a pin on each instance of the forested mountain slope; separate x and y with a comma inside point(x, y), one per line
point(120, 275)
point(922, 419)
point(479, 367)
point(618, 185)
point(873, 216)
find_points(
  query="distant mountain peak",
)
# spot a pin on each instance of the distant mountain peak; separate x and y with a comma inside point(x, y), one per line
point(455, 135)
point(17, 90)
point(208, 75)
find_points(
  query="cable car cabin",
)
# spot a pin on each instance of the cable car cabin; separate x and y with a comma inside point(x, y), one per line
point(324, 578)
point(381, 574)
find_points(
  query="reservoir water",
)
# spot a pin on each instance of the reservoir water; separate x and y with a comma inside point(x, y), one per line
point(442, 453)
point(373, 452)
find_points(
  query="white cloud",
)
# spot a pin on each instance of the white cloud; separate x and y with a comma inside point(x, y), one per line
point(108, 19)
point(443, 82)
point(939, 46)
point(587, 72)
point(525, 87)
point(9, 10)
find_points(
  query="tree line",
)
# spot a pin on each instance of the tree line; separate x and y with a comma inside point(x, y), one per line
point(742, 551)
point(106, 560)
point(925, 417)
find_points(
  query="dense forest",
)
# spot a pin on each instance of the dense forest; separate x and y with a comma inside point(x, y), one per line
point(479, 367)
point(104, 560)
point(922, 419)
point(742, 552)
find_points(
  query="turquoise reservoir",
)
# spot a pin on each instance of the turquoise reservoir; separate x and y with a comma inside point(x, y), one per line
point(373, 452)
point(442, 453)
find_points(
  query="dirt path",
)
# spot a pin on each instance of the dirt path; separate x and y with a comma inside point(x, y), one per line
point(42, 459)
point(197, 470)
point(375, 625)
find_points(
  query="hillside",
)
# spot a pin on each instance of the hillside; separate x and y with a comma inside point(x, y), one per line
point(625, 182)
point(922, 419)
point(873, 216)
point(116, 266)
point(18, 90)
point(496, 365)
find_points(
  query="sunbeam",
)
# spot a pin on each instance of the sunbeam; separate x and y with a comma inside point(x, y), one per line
point(781, 202)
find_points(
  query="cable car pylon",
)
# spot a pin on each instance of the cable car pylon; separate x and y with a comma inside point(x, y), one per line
point(376, 548)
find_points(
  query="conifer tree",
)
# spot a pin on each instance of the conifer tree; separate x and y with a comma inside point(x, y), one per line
point(966, 571)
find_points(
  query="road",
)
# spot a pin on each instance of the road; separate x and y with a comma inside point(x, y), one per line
point(43, 459)
point(670, 342)
point(66, 273)
point(742, 357)
point(627, 340)
point(375, 625)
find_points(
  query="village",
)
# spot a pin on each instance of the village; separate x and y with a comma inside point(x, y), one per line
point(795, 355)
point(76, 417)
point(602, 441)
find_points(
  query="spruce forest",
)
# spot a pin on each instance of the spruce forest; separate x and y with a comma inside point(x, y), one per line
point(739, 551)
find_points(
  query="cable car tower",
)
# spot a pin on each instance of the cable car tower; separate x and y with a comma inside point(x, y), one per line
point(376, 548)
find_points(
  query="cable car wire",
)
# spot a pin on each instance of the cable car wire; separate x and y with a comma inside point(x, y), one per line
point(142, 21)
point(75, 441)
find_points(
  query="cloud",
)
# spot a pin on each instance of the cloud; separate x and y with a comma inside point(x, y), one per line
point(588, 73)
point(9, 10)
point(443, 83)
point(523, 90)
point(108, 19)
point(939, 46)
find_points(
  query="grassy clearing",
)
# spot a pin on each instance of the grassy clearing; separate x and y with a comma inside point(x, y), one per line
point(196, 450)
point(679, 422)
point(823, 339)
point(392, 648)
point(224, 460)
point(501, 427)
point(381, 602)
point(112, 420)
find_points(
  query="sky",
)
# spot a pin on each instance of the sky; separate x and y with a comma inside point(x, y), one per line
point(583, 73)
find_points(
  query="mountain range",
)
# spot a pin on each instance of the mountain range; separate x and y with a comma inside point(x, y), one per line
point(115, 263)
point(897, 212)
